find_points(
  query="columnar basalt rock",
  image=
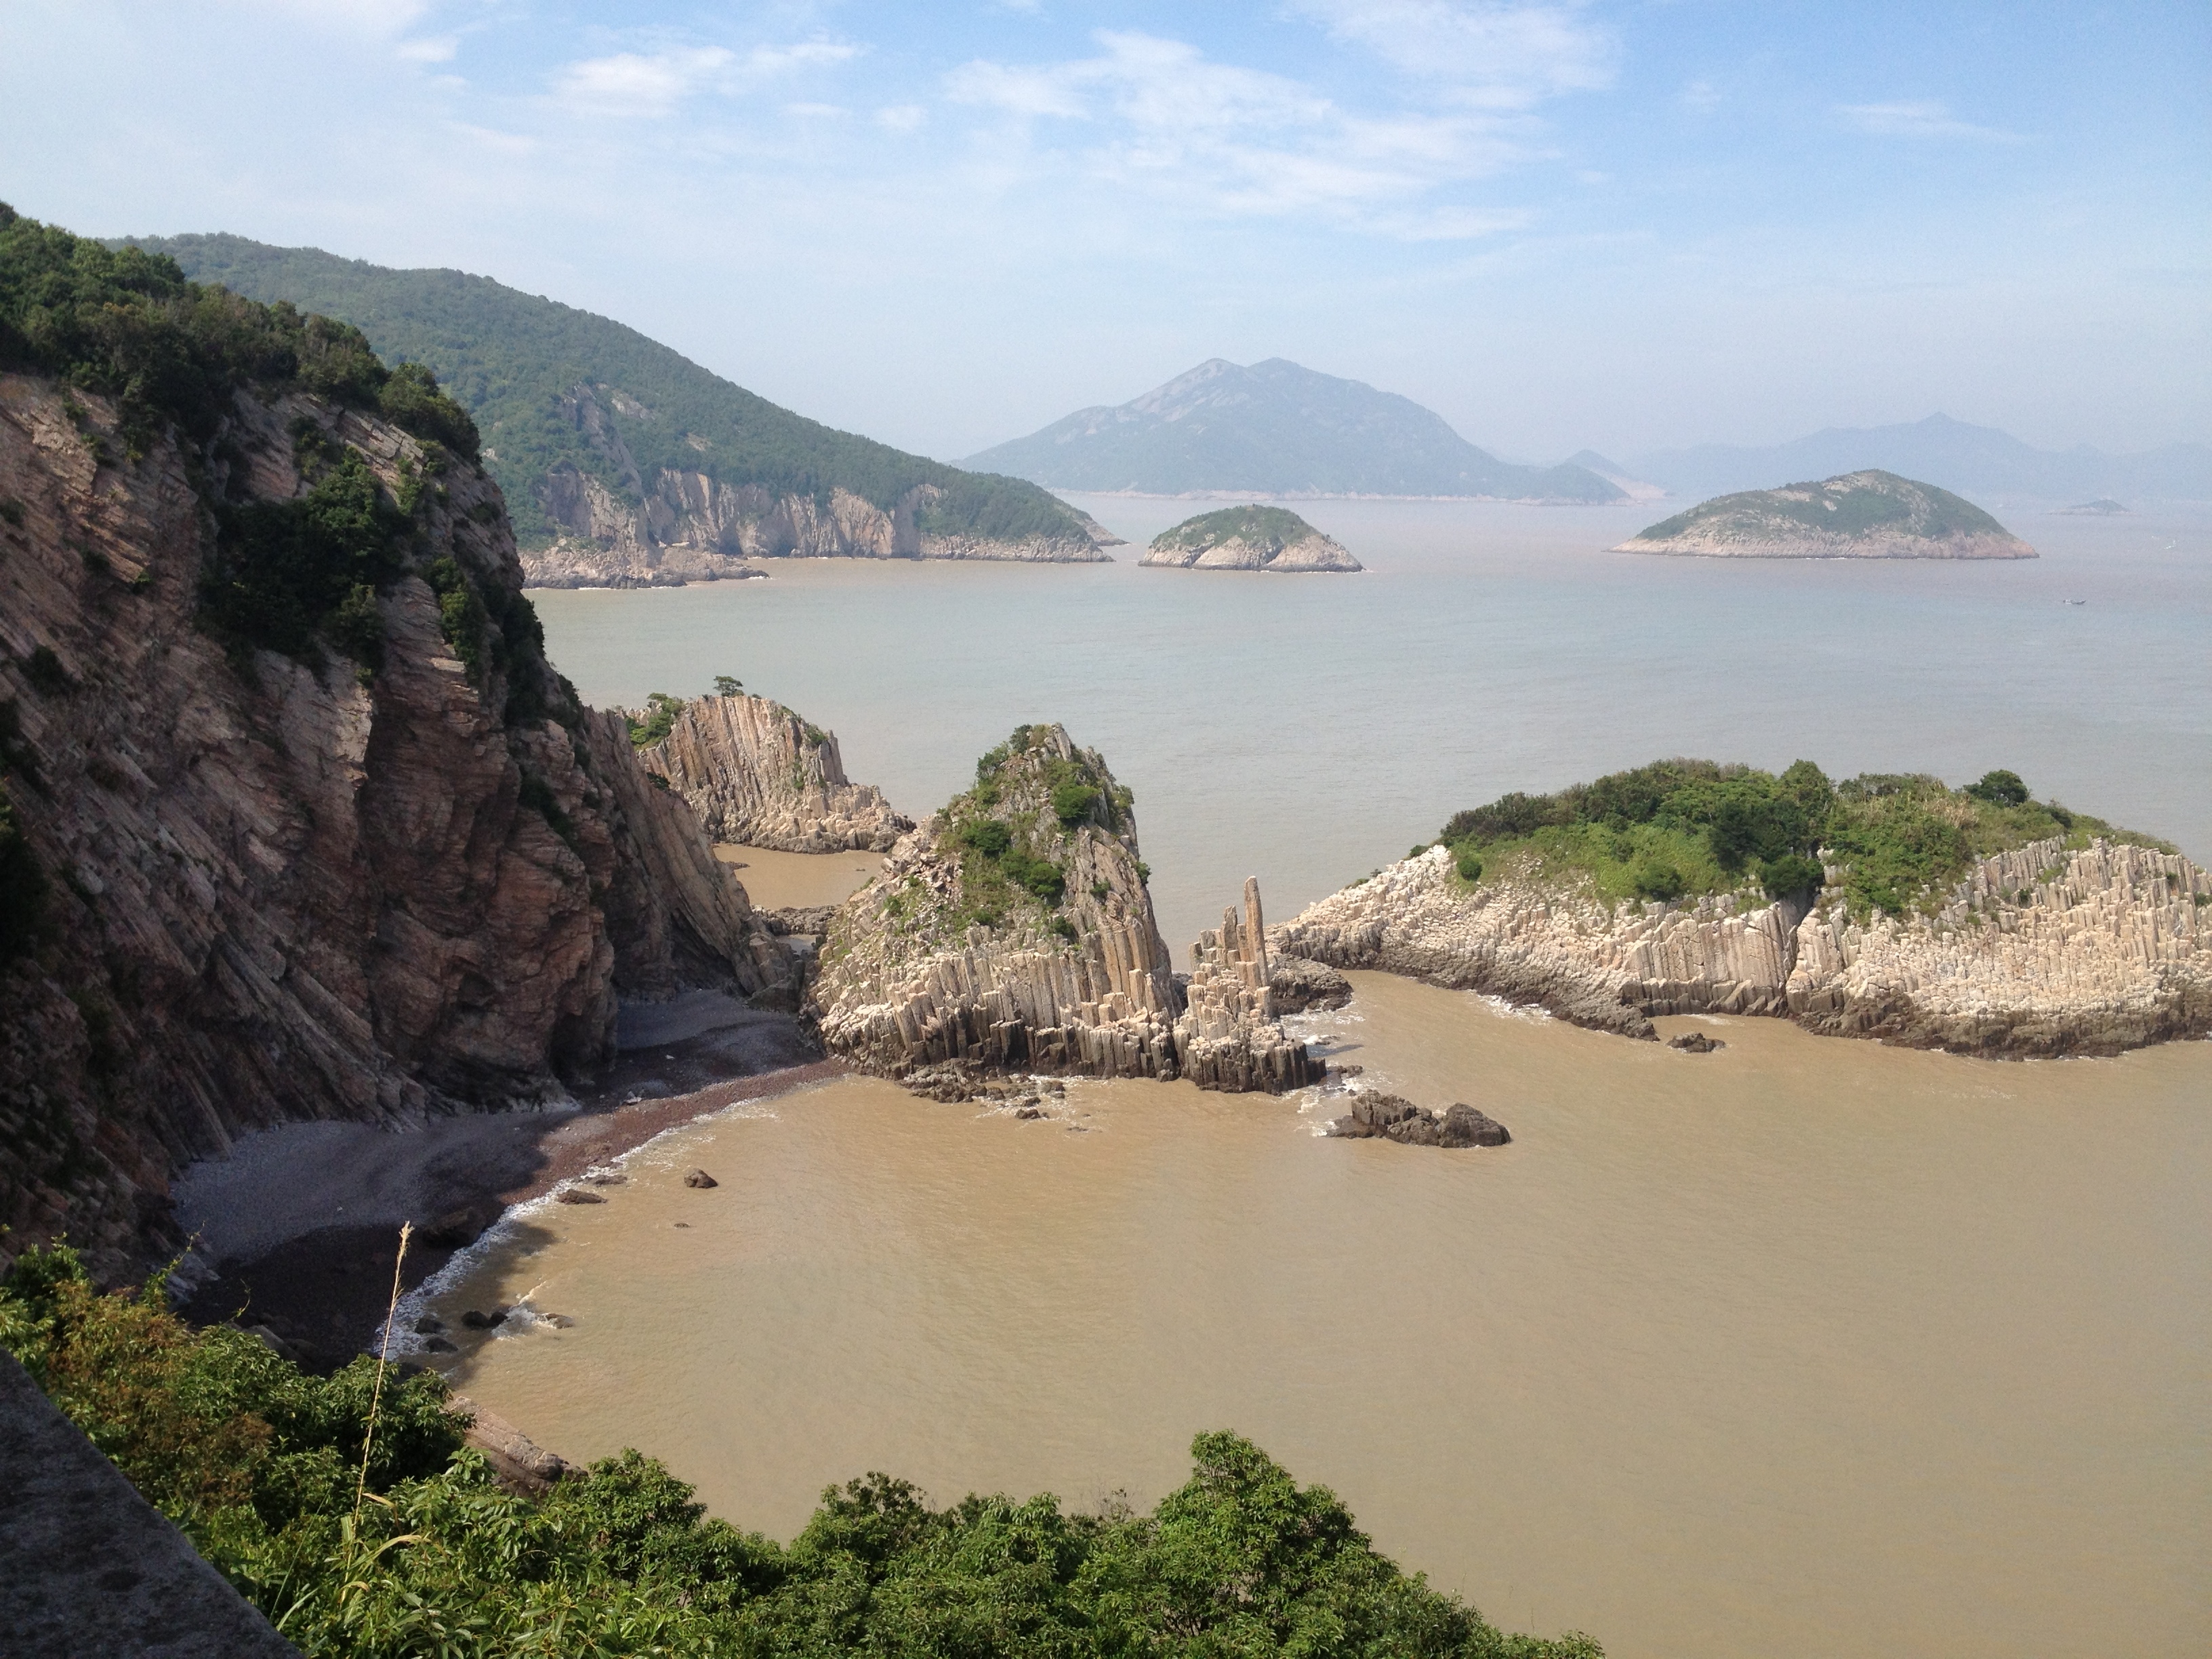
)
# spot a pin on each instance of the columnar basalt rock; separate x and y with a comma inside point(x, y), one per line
point(1014, 931)
point(2039, 950)
point(278, 890)
point(1228, 1037)
point(756, 774)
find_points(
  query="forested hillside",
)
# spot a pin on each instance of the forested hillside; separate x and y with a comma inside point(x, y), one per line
point(512, 360)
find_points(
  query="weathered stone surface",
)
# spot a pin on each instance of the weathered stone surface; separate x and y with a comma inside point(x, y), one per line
point(2039, 950)
point(914, 975)
point(692, 527)
point(755, 772)
point(287, 894)
point(519, 1462)
point(1297, 985)
point(1375, 1115)
point(1696, 1043)
point(700, 1179)
point(88, 1567)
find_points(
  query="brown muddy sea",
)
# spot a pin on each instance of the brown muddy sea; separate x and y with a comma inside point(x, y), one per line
point(1805, 1347)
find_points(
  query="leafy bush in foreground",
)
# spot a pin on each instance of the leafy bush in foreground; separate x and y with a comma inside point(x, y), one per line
point(258, 1463)
point(1681, 828)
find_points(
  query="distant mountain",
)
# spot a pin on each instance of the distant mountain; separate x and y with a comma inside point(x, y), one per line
point(1275, 430)
point(625, 463)
point(1861, 515)
point(1979, 460)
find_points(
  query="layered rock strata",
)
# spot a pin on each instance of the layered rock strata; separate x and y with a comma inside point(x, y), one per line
point(274, 890)
point(678, 527)
point(2042, 949)
point(942, 959)
point(1377, 1116)
point(756, 774)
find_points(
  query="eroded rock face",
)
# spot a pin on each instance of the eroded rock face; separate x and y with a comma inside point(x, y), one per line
point(690, 527)
point(2039, 951)
point(279, 892)
point(954, 954)
point(756, 772)
point(1229, 1038)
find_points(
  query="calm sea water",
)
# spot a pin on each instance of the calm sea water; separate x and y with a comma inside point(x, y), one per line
point(1307, 729)
point(1807, 1347)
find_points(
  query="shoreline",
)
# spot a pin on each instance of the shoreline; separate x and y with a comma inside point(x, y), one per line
point(296, 1229)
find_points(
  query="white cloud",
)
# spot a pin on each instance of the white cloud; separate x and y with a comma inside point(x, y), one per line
point(817, 111)
point(902, 117)
point(433, 49)
point(653, 83)
point(1247, 141)
point(1919, 120)
point(1492, 56)
point(1701, 96)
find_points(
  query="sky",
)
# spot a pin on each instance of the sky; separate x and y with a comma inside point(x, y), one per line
point(1627, 226)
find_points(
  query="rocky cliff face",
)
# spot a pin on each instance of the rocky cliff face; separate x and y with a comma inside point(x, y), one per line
point(756, 772)
point(2039, 951)
point(276, 891)
point(1014, 931)
point(690, 527)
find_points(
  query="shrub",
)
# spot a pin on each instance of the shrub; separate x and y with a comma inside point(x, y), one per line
point(988, 837)
point(1468, 862)
point(2000, 788)
point(661, 713)
point(1791, 874)
point(1072, 802)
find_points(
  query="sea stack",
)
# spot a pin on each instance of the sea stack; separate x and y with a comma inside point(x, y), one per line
point(1013, 931)
point(757, 773)
point(1247, 538)
point(1855, 515)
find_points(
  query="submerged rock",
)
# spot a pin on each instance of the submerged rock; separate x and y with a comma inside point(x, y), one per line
point(701, 1179)
point(1696, 1043)
point(1375, 1115)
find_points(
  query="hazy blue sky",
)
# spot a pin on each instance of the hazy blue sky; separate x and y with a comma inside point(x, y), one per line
point(1618, 224)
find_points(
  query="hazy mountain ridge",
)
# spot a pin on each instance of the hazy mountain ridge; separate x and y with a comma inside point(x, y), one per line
point(606, 439)
point(1275, 428)
point(1976, 460)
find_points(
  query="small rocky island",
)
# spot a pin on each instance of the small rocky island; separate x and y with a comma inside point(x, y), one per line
point(1247, 538)
point(1855, 515)
point(1976, 920)
point(1013, 931)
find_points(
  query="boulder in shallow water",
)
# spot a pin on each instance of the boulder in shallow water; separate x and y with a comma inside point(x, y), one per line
point(1375, 1115)
point(701, 1179)
point(579, 1195)
point(1696, 1043)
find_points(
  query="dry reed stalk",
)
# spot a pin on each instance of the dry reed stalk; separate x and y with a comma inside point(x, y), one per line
point(376, 1394)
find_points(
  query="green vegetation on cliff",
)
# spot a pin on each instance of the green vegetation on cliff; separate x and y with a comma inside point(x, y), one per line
point(1261, 525)
point(127, 323)
point(258, 1463)
point(516, 360)
point(1853, 504)
point(1679, 828)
